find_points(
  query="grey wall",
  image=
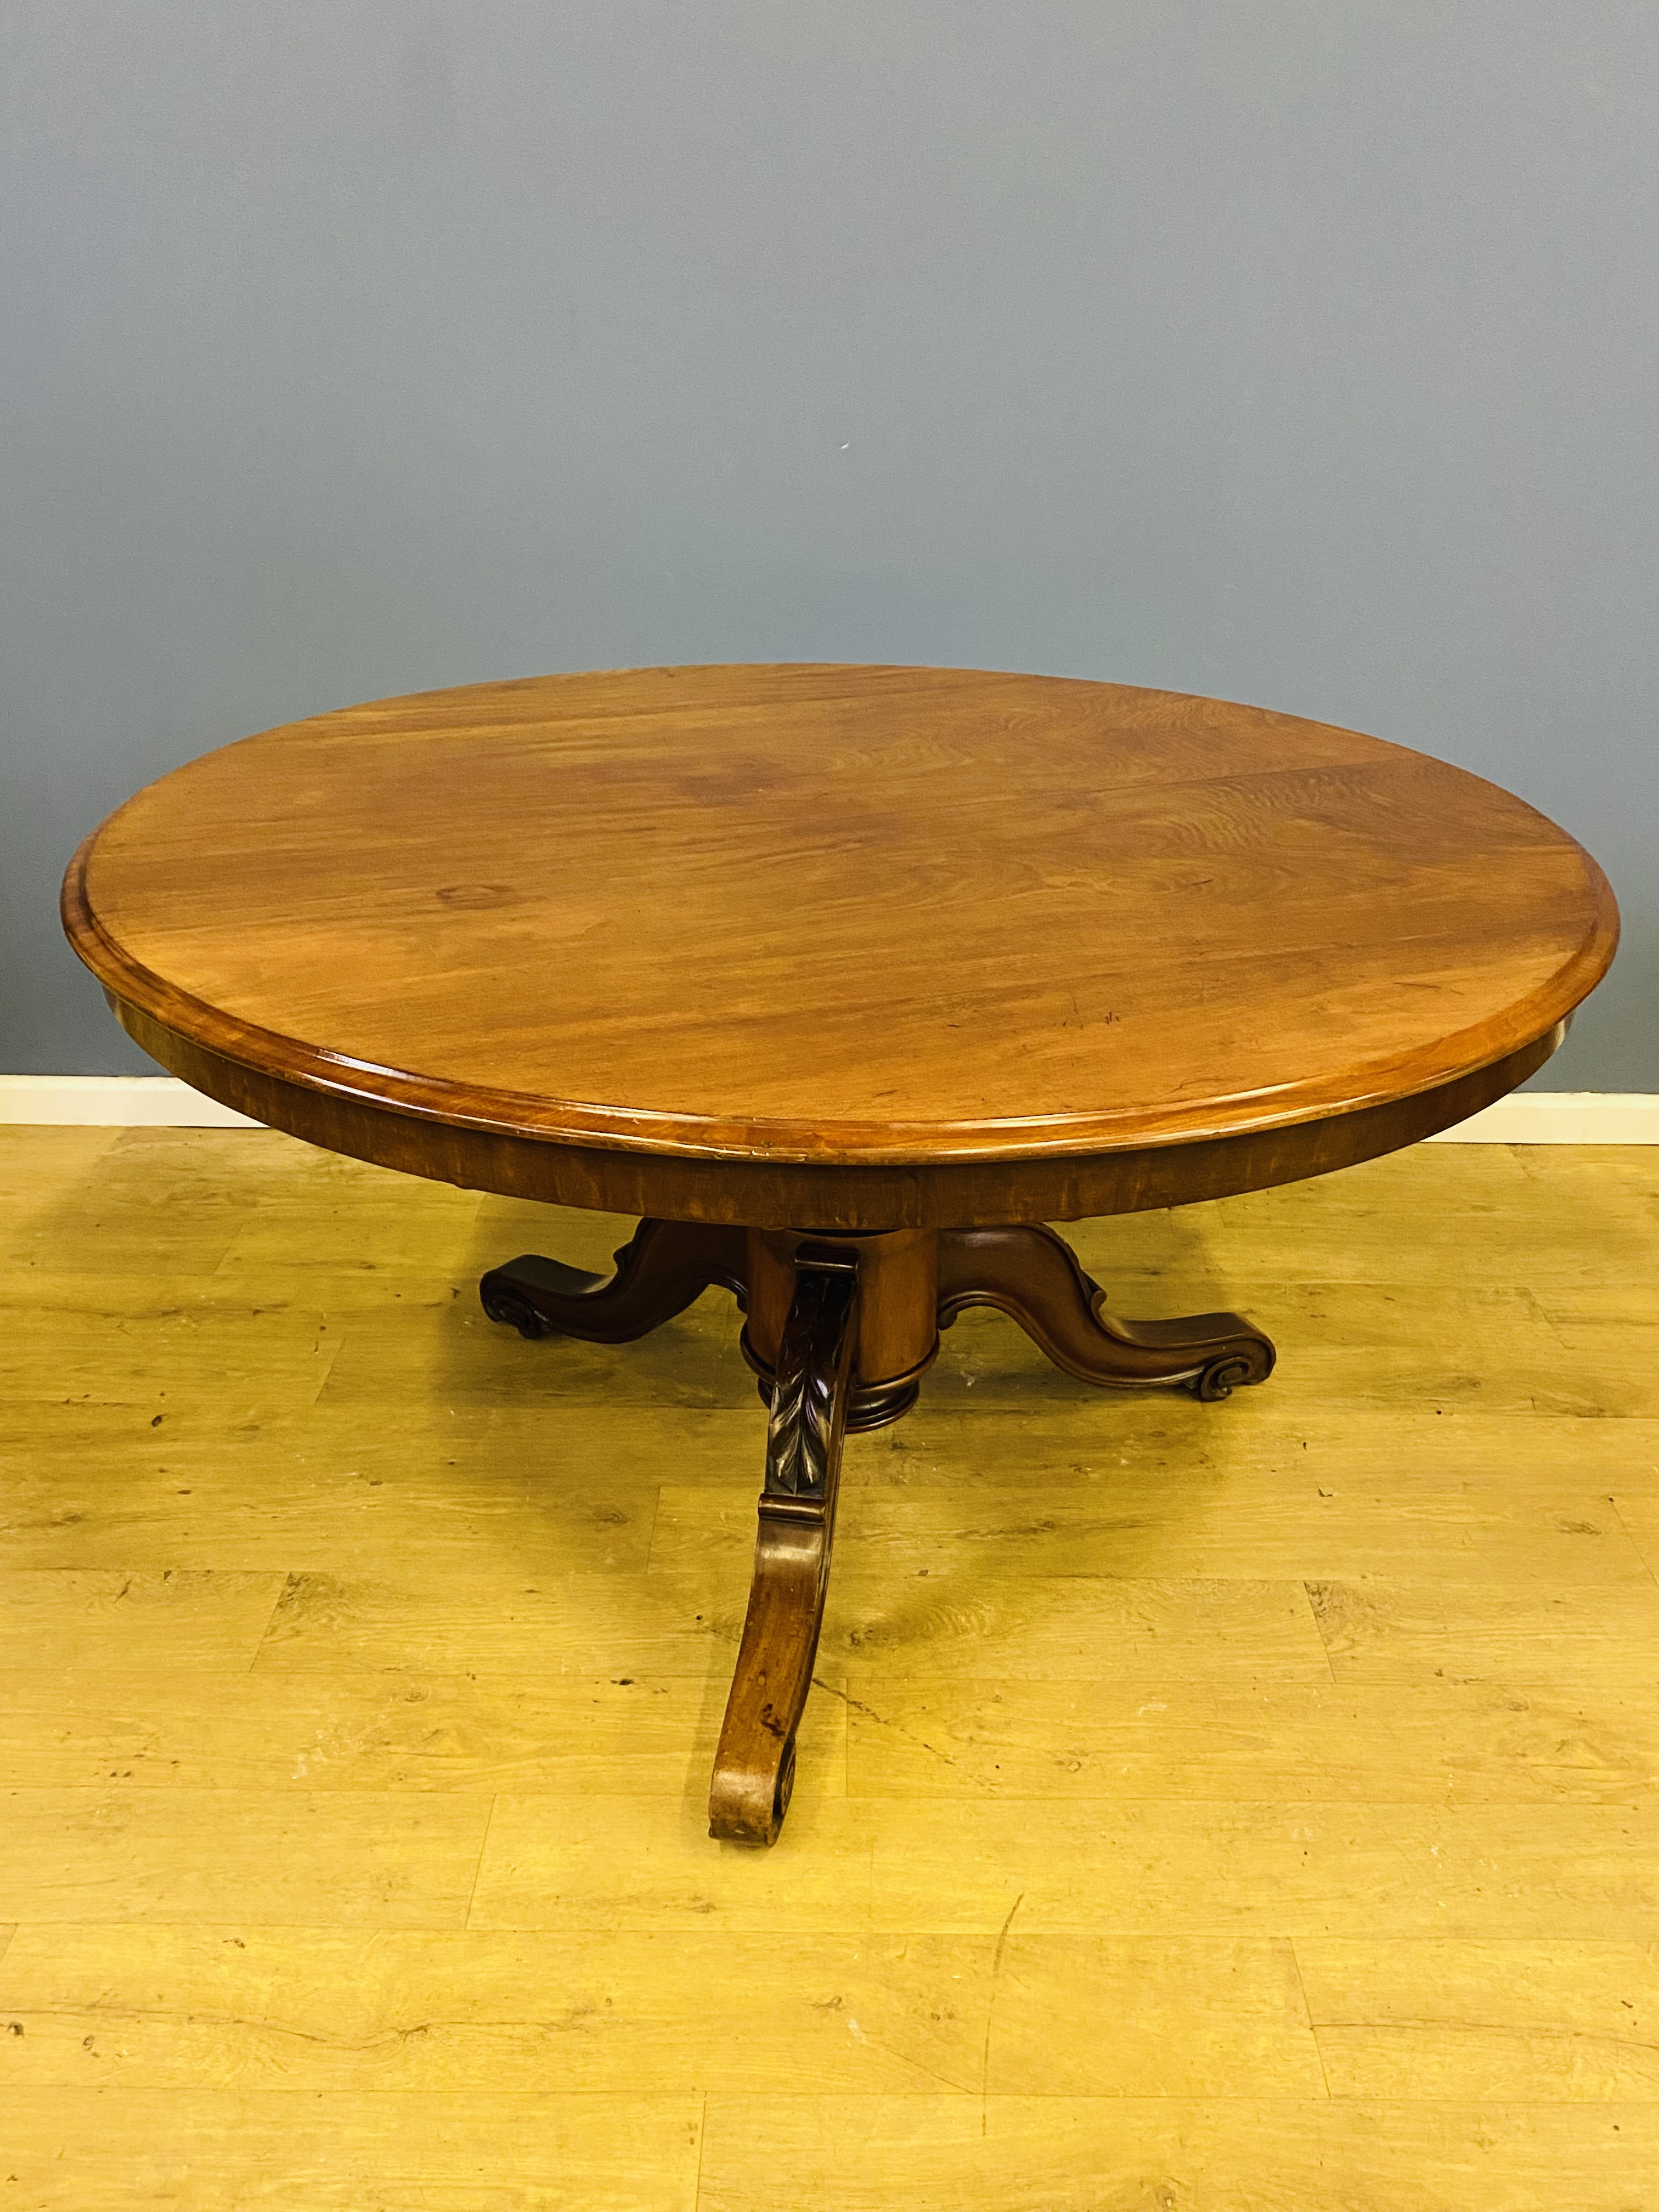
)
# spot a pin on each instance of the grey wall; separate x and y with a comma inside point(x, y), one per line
point(1298, 350)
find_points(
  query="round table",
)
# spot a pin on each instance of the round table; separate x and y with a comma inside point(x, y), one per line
point(846, 980)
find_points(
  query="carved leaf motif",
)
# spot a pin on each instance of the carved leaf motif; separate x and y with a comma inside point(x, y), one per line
point(803, 1393)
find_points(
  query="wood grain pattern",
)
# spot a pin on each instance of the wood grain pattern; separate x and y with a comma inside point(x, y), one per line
point(351, 1858)
point(69, 1618)
point(1144, 1866)
point(683, 936)
point(1377, 1632)
point(673, 1621)
point(352, 1734)
point(148, 1343)
point(1552, 1534)
point(1221, 2154)
point(1539, 2020)
point(203, 2150)
point(397, 2010)
point(1436, 1742)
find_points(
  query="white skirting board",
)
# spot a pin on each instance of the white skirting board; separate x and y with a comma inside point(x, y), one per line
point(1562, 1117)
point(162, 1102)
point(118, 1102)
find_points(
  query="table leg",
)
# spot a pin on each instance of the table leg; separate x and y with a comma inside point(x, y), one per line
point(1036, 1278)
point(755, 1764)
point(663, 1267)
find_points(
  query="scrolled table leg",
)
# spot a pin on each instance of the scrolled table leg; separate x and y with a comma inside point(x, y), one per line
point(755, 1763)
point(1034, 1277)
point(663, 1267)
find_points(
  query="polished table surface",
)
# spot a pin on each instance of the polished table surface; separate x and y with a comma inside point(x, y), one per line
point(890, 959)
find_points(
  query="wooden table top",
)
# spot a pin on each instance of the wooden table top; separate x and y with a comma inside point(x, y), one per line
point(864, 918)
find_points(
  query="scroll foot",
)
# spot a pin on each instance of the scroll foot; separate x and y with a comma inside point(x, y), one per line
point(663, 1267)
point(1031, 1275)
point(755, 1764)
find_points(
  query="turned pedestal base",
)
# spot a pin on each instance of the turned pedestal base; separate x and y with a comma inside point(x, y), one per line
point(840, 1330)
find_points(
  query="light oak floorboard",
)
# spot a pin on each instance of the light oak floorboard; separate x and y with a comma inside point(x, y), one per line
point(153, 1342)
point(331, 1858)
point(250, 1490)
point(451, 1355)
point(209, 1484)
point(44, 1169)
point(1441, 1741)
point(145, 1620)
point(1575, 1215)
point(1525, 2021)
point(1136, 2155)
point(1102, 1438)
point(148, 1198)
point(681, 2010)
point(1547, 1530)
point(210, 2150)
point(377, 1248)
point(1151, 1867)
point(1380, 1631)
point(935, 1624)
point(645, 1735)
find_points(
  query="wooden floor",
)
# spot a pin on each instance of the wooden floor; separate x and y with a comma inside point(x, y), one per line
point(1201, 1808)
